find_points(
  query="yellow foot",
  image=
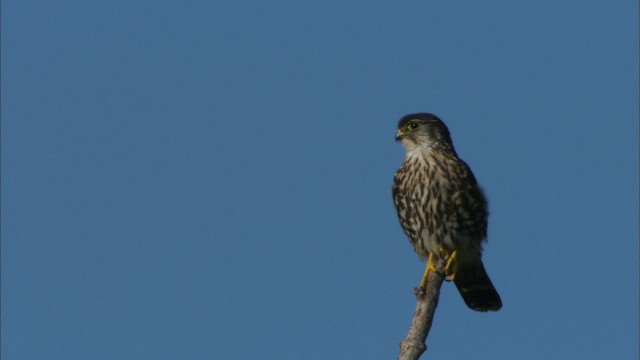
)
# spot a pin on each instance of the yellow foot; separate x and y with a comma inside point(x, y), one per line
point(430, 267)
point(452, 267)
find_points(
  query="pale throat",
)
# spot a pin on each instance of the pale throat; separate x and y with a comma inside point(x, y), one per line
point(421, 151)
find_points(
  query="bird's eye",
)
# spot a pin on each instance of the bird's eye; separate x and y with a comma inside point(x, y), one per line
point(412, 126)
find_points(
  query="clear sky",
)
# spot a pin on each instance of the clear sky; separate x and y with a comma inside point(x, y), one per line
point(212, 179)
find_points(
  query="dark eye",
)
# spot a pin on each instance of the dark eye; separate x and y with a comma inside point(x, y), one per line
point(413, 125)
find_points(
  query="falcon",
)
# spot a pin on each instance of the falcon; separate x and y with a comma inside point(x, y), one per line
point(442, 209)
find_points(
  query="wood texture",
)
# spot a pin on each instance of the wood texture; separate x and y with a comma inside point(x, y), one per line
point(414, 345)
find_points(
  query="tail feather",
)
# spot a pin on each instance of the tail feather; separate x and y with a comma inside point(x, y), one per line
point(476, 288)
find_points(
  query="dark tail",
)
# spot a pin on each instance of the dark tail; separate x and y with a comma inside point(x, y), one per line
point(476, 288)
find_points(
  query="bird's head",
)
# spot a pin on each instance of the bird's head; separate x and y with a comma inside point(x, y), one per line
point(423, 129)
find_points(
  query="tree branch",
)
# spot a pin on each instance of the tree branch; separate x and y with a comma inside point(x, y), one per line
point(415, 343)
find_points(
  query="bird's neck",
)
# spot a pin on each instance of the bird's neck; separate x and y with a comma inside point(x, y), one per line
point(419, 151)
point(426, 153)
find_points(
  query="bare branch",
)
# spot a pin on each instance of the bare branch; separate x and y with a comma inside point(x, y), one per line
point(427, 300)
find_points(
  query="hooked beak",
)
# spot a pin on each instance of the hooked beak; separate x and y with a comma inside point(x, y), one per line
point(399, 135)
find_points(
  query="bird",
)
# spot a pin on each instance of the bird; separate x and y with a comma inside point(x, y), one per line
point(442, 209)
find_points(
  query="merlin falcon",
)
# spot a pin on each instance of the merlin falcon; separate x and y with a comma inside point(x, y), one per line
point(442, 209)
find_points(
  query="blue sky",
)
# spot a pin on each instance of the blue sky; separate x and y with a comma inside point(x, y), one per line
point(212, 180)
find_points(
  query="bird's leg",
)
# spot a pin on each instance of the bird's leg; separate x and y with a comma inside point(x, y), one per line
point(430, 267)
point(451, 267)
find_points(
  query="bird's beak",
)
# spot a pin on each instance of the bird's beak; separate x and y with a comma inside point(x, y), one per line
point(399, 135)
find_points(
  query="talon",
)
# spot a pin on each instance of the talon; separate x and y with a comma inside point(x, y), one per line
point(430, 267)
point(451, 268)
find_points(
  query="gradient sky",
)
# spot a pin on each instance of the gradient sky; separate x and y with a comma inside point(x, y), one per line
point(212, 179)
